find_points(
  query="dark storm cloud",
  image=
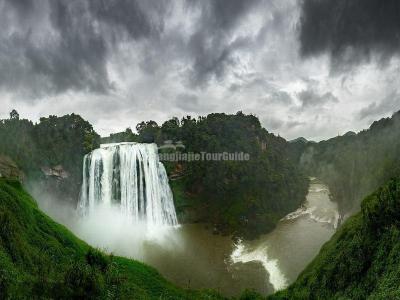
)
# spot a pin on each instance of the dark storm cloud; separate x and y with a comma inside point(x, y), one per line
point(117, 62)
point(387, 105)
point(210, 45)
point(222, 14)
point(124, 15)
point(310, 98)
point(54, 46)
point(350, 31)
point(23, 7)
point(73, 56)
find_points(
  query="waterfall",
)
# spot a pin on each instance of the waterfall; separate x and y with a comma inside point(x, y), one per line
point(131, 177)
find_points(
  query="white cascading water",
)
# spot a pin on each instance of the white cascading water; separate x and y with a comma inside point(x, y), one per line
point(128, 175)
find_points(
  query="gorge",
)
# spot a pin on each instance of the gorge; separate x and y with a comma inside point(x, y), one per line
point(125, 191)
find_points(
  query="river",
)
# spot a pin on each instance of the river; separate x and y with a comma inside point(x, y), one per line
point(267, 264)
point(192, 257)
point(296, 240)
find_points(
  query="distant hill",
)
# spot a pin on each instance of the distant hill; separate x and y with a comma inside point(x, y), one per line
point(299, 139)
point(349, 133)
point(354, 165)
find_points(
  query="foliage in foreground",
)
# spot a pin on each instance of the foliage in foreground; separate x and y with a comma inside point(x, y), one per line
point(41, 259)
point(362, 260)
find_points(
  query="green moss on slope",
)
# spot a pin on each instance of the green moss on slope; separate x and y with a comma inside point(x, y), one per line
point(362, 260)
point(42, 259)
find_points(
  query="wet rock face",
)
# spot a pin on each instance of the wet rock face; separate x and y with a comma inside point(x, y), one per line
point(56, 171)
point(9, 169)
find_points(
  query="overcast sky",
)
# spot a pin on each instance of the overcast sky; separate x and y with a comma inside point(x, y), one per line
point(305, 68)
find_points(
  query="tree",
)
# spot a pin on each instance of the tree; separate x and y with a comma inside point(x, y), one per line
point(14, 115)
point(143, 126)
point(170, 128)
point(148, 131)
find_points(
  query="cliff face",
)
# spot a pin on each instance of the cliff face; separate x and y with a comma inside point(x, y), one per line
point(56, 171)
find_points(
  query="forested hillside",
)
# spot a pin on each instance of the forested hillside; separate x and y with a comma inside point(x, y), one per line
point(245, 198)
point(362, 260)
point(354, 165)
point(50, 152)
point(240, 197)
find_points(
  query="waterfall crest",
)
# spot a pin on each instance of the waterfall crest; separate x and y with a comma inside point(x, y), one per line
point(128, 175)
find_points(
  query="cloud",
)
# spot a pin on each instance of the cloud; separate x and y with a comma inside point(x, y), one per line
point(272, 123)
point(294, 123)
point(280, 97)
point(351, 32)
point(387, 105)
point(120, 62)
point(212, 44)
point(132, 16)
point(278, 124)
point(189, 103)
point(50, 47)
point(310, 98)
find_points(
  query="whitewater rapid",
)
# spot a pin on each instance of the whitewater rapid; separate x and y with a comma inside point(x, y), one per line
point(286, 251)
point(244, 255)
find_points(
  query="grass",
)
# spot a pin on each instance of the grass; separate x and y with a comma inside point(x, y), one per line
point(40, 258)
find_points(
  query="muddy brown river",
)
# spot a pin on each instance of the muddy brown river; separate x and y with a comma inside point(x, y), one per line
point(192, 257)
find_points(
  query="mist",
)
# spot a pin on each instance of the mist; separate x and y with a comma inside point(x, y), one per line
point(108, 229)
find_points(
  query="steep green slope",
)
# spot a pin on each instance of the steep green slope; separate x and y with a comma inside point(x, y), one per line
point(41, 259)
point(362, 259)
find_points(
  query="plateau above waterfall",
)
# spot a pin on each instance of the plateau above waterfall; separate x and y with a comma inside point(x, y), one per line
point(131, 177)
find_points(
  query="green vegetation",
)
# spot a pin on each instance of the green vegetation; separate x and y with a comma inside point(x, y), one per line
point(54, 141)
point(362, 260)
point(245, 198)
point(39, 258)
point(354, 165)
point(42, 259)
point(125, 136)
